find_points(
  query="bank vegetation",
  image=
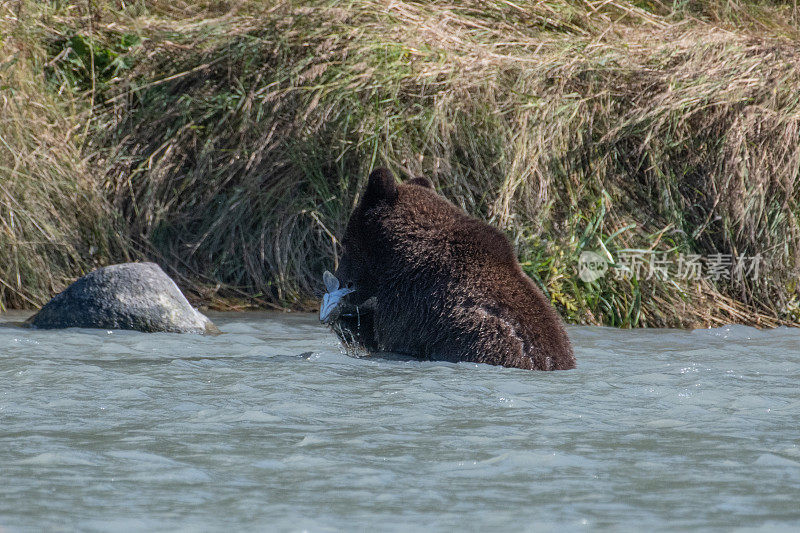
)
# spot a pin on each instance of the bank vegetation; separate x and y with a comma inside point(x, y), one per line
point(228, 141)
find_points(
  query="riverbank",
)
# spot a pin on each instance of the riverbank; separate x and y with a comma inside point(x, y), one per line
point(228, 143)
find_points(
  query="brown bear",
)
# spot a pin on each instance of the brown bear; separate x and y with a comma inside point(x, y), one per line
point(420, 277)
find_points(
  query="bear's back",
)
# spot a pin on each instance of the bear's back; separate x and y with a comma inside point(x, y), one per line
point(461, 290)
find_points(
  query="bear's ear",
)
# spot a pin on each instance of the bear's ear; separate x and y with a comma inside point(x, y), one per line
point(422, 182)
point(381, 188)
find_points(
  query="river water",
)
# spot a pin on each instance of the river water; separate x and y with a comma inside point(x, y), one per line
point(272, 427)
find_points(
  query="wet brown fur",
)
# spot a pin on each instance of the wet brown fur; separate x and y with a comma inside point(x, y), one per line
point(442, 285)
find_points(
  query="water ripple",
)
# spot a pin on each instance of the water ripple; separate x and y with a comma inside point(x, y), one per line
point(271, 426)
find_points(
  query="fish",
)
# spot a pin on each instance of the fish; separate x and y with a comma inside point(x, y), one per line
point(332, 299)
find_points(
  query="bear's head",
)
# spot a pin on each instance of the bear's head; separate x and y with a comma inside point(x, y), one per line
point(362, 239)
point(364, 244)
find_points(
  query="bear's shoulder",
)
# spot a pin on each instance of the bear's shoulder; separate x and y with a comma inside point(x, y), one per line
point(422, 208)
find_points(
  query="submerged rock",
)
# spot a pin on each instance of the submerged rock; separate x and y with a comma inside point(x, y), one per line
point(138, 296)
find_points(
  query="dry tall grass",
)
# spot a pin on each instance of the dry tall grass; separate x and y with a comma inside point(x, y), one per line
point(55, 223)
point(235, 147)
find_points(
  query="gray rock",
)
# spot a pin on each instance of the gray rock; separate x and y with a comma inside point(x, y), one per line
point(138, 296)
